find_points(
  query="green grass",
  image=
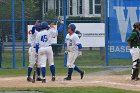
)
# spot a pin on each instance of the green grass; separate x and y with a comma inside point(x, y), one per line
point(71, 90)
point(120, 62)
point(127, 72)
point(89, 58)
point(59, 71)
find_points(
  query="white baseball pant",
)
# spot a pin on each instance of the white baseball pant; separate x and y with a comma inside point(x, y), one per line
point(135, 53)
point(33, 57)
point(45, 53)
point(71, 57)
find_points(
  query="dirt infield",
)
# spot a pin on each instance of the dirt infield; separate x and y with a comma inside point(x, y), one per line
point(113, 81)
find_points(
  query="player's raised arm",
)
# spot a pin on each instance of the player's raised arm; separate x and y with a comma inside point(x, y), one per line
point(60, 28)
point(36, 27)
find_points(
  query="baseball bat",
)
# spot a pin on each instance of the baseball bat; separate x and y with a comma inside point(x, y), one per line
point(34, 74)
point(35, 71)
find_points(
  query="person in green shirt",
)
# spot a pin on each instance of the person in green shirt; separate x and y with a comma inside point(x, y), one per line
point(134, 43)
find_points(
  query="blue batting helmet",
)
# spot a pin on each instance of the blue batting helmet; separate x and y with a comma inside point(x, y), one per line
point(44, 25)
point(72, 26)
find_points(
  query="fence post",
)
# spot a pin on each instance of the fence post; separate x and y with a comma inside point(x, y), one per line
point(0, 52)
point(23, 35)
point(13, 35)
point(106, 33)
point(64, 13)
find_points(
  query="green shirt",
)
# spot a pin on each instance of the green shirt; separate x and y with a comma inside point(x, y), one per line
point(134, 38)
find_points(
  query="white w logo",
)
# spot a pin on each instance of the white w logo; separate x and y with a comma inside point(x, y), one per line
point(125, 18)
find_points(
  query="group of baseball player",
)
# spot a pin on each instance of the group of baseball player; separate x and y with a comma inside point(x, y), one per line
point(134, 43)
point(41, 51)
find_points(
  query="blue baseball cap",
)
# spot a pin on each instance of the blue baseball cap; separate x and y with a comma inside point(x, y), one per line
point(72, 26)
point(44, 25)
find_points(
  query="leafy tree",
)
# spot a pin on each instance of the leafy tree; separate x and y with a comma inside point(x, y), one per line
point(32, 12)
point(50, 15)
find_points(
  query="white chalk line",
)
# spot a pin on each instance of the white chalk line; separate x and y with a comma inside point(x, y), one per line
point(100, 82)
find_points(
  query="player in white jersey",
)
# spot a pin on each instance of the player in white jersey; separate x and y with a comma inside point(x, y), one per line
point(73, 45)
point(44, 49)
point(32, 52)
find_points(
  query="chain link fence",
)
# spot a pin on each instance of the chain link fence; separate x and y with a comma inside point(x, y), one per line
point(16, 15)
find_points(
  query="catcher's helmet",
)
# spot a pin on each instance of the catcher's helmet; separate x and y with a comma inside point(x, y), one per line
point(72, 26)
point(136, 24)
point(44, 25)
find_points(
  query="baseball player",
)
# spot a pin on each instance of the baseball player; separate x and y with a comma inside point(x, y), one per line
point(44, 49)
point(32, 52)
point(73, 45)
point(134, 43)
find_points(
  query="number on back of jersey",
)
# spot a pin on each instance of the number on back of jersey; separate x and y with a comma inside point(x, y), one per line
point(70, 42)
point(44, 38)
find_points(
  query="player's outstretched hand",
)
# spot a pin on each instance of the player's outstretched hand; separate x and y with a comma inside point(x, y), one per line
point(52, 25)
point(62, 22)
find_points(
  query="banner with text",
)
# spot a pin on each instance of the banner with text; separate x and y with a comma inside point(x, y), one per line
point(92, 34)
point(123, 14)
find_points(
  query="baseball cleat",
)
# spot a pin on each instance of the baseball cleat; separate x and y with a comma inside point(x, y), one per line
point(38, 79)
point(29, 79)
point(82, 74)
point(53, 78)
point(67, 78)
point(132, 78)
point(136, 79)
point(43, 80)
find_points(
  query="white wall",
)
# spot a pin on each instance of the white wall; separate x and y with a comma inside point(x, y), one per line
point(74, 7)
point(85, 8)
point(51, 4)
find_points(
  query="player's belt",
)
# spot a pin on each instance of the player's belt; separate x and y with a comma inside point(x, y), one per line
point(45, 46)
point(48, 45)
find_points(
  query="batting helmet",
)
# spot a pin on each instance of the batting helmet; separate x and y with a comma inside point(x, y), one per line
point(136, 24)
point(44, 25)
point(72, 26)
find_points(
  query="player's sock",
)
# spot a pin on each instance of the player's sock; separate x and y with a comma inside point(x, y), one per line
point(134, 73)
point(70, 70)
point(137, 72)
point(43, 69)
point(52, 69)
point(77, 69)
point(29, 71)
point(38, 72)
